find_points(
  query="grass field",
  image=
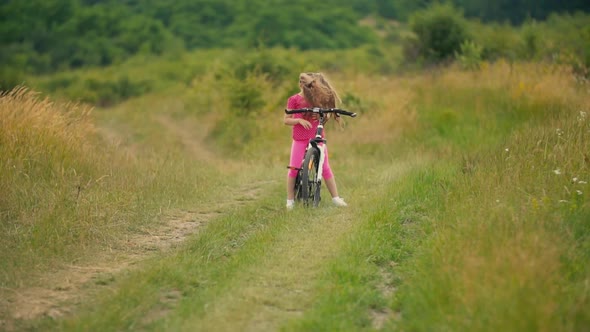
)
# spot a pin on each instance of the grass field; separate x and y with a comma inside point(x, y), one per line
point(468, 208)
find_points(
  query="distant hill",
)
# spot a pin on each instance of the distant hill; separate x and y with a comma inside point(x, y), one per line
point(47, 35)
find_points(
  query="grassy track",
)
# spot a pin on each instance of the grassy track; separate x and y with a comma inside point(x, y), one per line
point(283, 285)
point(280, 286)
point(257, 268)
point(469, 211)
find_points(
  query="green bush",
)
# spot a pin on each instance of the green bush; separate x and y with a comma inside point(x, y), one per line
point(354, 103)
point(9, 78)
point(245, 95)
point(531, 40)
point(497, 40)
point(470, 55)
point(238, 125)
point(103, 92)
point(325, 27)
point(573, 42)
point(585, 53)
point(275, 68)
point(440, 31)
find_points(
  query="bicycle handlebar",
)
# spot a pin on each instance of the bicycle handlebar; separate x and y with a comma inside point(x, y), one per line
point(321, 110)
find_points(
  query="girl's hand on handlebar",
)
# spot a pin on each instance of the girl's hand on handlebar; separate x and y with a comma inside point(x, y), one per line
point(306, 124)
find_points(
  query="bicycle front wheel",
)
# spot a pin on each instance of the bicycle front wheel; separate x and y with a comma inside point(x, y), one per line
point(310, 186)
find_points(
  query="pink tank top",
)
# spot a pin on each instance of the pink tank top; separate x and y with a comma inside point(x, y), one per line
point(299, 132)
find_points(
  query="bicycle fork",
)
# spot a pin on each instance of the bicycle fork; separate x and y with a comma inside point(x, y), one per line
point(322, 149)
point(320, 144)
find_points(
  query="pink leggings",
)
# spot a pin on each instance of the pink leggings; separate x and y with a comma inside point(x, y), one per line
point(297, 154)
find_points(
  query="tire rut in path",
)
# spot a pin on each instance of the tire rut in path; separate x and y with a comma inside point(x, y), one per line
point(60, 291)
point(281, 286)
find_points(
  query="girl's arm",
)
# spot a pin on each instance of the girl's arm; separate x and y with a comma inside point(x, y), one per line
point(289, 120)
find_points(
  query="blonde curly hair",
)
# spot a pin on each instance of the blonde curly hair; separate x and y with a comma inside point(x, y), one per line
point(317, 90)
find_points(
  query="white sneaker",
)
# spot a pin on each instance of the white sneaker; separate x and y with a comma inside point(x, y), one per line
point(290, 204)
point(338, 201)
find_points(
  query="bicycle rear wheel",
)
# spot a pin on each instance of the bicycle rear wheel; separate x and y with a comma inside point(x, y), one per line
point(310, 186)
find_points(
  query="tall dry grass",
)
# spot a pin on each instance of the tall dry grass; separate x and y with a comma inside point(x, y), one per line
point(64, 190)
point(42, 144)
point(50, 166)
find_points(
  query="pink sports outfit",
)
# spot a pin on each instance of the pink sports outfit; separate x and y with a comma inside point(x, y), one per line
point(301, 137)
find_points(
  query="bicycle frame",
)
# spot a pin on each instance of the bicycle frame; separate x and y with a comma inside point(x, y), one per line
point(319, 144)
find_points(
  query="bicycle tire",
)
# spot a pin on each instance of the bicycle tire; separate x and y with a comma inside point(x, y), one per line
point(310, 186)
point(298, 186)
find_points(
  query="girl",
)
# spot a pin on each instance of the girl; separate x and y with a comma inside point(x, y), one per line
point(315, 91)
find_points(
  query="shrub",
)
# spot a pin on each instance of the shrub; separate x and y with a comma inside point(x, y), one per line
point(470, 55)
point(245, 96)
point(237, 124)
point(531, 40)
point(353, 102)
point(264, 62)
point(9, 78)
point(440, 31)
point(107, 92)
point(497, 40)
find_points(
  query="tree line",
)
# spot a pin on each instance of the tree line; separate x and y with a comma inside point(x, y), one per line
point(39, 36)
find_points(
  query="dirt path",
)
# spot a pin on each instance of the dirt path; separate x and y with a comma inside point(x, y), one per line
point(268, 295)
point(67, 286)
point(264, 297)
point(192, 135)
point(64, 288)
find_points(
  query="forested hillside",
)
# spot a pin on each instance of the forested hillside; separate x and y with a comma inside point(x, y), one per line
point(48, 35)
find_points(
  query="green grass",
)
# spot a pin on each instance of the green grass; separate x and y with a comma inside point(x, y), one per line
point(469, 210)
point(512, 228)
point(493, 240)
point(361, 282)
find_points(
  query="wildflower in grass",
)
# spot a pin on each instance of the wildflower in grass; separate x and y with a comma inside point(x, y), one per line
point(582, 182)
point(559, 132)
point(535, 203)
point(575, 180)
point(563, 201)
point(506, 150)
point(557, 171)
point(582, 116)
point(579, 192)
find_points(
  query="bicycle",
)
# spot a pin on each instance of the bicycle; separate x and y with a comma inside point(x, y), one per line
point(309, 176)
